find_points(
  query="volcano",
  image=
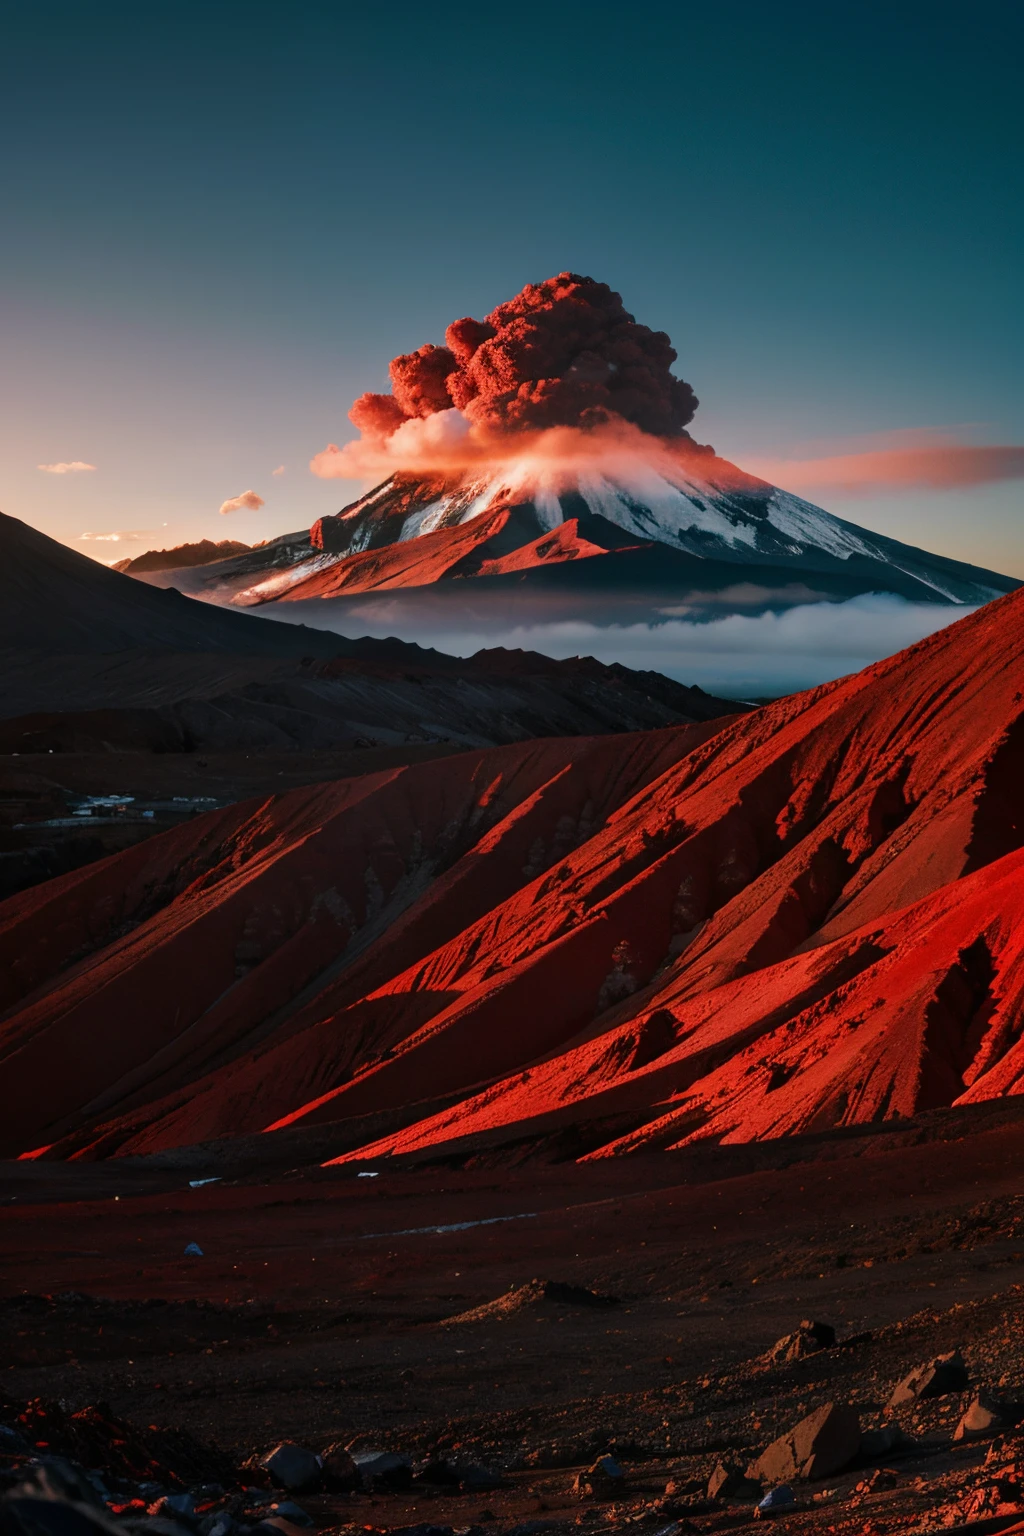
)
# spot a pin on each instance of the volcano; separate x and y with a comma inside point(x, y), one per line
point(802, 919)
point(538, 465)
point(640, 543)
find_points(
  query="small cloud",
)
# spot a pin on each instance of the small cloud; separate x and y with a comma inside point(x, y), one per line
point(278, 471)
point(248, 499)
point(120, 536)
point(73, 468)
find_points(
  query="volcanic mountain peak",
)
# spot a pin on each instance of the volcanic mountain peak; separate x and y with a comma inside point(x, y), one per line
point(661, 529)
point(700, 502)
point(710, 521)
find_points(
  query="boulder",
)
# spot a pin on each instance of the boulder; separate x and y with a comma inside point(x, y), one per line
point(474, 1478)
point(880, 1442)
point(946, 1373)
point(340, 1473)
point(730, 1481)
point(293, 1467)
point(823, 1443)
point(384, 1469)
point(986, 1415)
point(437, 1472)
point(776, 1502)
point(470, 1476)
point(807, 1340)
point(604, 1480)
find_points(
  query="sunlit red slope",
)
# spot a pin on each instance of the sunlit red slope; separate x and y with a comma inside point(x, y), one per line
point(131, 979)
point(807, 918)
point(492, 544)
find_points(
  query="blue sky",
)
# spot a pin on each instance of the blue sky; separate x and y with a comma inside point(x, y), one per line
point(221, 221)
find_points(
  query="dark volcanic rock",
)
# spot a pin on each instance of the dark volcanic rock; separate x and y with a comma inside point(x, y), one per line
point(946, 1373)
point(604, 1480)
point(384, 1470)
point(808, 1339)
point(986, 1415)
point(876, 1443)
point(339, 1470)
point(729, 1480)
point(823, 1443)
point(293, 1467)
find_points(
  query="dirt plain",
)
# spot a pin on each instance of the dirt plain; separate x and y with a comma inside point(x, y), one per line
point(321, 1312)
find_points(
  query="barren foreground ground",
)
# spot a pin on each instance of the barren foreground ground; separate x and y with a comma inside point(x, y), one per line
point(320, 1312)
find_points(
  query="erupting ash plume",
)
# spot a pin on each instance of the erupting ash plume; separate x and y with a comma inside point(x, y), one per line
point(563, 353)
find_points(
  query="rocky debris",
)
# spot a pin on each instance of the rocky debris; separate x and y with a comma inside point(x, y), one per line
point(824, 1442)
point(533, 1294)
point(998, 1497)
point(96, 1438)
point(945, 1373)
point(293, 1467)
point(808, 1339)
point(986, 1414)
point(604, 1480)
point(878, 1481)
point(1006, 1448)
point(729, 1480)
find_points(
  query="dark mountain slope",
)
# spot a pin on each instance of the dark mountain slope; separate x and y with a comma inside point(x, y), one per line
point(53, 599)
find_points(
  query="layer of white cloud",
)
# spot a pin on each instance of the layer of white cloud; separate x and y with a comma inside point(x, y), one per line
point(740, 655)
point(72, 467)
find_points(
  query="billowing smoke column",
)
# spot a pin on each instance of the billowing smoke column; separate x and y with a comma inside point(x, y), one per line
point(563, 353)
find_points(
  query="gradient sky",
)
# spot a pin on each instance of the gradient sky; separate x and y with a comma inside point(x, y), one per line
point(221, 221)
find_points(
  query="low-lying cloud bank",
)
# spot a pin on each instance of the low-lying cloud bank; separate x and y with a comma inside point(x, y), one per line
point(740, 655)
